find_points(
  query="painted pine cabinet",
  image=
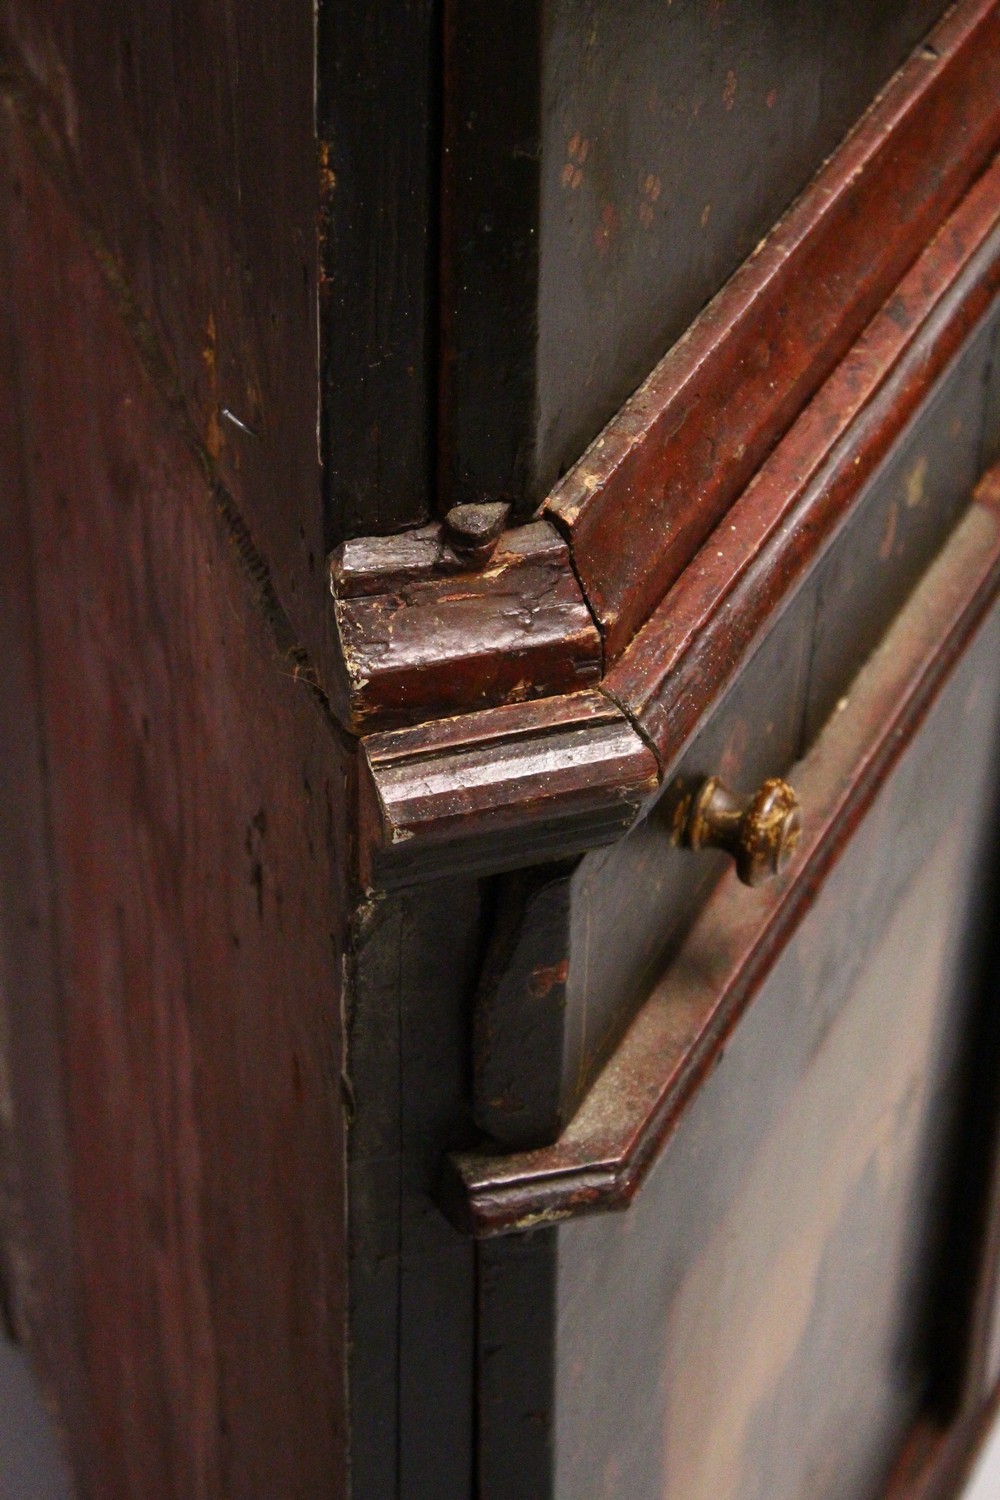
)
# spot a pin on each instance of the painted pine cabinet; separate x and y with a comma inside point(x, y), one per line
point(499, 844)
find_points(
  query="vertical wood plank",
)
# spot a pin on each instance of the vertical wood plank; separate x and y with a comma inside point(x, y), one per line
point(197, 801)
point(518, 1358)
point(185, 136)
point(412, 1274)
point(379, 78)
point(39, 1290)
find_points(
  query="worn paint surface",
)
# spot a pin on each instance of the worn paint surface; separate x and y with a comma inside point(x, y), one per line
point(191, 904)
point(671, 463)
point(808, 488)
point(184, 137)
point(452, 795)
point(421, 635)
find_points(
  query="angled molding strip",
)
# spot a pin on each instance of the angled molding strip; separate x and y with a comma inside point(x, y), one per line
point(551, 778)
point(682, 449)
point(530, 707)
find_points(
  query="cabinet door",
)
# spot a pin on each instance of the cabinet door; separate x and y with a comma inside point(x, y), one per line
point(531, 678)
point(789, 1296)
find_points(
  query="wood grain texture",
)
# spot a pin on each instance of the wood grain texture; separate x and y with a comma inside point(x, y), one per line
point(40, 1293)
point(420, 636)
point(805, 493)
point(196, 845)
point(378, 80)
point(603, 1156)
point(185, 138)
point(500, 790)
point(687, 443)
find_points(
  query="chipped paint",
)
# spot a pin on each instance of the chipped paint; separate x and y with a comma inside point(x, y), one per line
point(544, 980)
point(889, 535)
point(915, 481)
point(650, 186)
point(577, 151)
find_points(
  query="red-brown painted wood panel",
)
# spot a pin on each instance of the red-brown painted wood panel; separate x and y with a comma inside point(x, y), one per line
point(185, 136)
point(193, 849)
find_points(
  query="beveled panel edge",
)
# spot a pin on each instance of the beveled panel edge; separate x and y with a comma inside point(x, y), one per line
point(686, 655)
point(683, 447)
point(603, 1156)
point(501, 789)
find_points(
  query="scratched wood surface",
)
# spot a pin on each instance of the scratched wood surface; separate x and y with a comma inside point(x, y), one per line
point(758, 1322)
point(39, 1282)
point(173, 955)
point(500, 789)
point(184, 134)
point(606, 169)
point(423, 639)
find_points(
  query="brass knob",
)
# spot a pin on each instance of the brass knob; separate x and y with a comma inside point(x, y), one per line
point(760, 831)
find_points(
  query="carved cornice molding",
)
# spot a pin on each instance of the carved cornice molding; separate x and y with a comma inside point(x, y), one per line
point(529, 704)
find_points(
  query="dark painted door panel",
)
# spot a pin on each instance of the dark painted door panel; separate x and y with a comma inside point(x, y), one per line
point(760, 1323)
point(607, 167)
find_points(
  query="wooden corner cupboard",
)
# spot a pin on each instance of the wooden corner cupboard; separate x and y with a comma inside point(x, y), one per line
point(500, 818)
